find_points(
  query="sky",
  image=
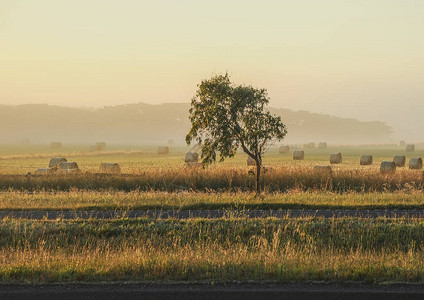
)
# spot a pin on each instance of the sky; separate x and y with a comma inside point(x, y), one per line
point(359, 59)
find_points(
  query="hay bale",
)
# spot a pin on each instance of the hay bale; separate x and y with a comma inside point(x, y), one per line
point(284, 149)
point(110, 168)
point(298, 155)
point(101, 146)
point(399, 160)
point(163, 150)
point(416, 163)
point(336, 158)
point(170, 142)
point(55, 145)
point(366, 160)
point(309, 145)
point(322, 145)
point(56, 161)
point(191, 157)
point(251, 161)
point(401, 144)
point(410, 148)
point(387, 167)
point(44, 171)
point(68, 165)
point(323, 170)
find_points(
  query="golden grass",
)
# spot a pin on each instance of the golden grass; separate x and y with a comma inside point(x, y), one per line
point(222, 250)
point(119, 200)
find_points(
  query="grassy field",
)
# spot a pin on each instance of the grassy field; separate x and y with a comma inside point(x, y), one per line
point(228, 249)
point(279, 250)
point(135, 200)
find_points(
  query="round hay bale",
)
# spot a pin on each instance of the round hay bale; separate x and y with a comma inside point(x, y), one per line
point(416, 163)
point(191, 157)
point(170, 142)
point(336, 158)
point(399, 160)
point(56, 161)
point(323, 170)
point(101, 146)
point(251, 161)
point(387, 167)
point(110, 168)
point(44, 171)
point(163, 150)
point(68, 165)
point(299, 155)
point(322, 145)
point(366, 160)
point(401, 144)
point(284, 149)
point(55, 145)
point(410, 148)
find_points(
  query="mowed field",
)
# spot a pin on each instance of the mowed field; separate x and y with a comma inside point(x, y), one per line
point(233, 248)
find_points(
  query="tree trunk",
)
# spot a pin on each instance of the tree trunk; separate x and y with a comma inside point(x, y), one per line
point(258, 177)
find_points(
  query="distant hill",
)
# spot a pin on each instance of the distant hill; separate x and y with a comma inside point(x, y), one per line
point(145, 123)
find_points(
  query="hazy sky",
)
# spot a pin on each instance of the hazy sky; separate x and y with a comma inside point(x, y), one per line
point(361, 59)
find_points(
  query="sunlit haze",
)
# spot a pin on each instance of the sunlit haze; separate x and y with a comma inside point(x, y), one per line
point(359, 59)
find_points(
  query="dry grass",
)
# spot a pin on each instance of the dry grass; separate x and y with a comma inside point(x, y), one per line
point(119, 200)
point(220, 250)
point(223, 178)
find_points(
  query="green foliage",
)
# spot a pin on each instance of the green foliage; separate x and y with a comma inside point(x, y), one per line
point(225, 117)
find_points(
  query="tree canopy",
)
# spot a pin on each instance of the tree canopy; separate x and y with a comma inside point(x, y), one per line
point(226, 117)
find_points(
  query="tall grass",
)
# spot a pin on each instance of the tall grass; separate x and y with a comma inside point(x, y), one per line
point(223, 250)
point(275, 179)
point(119, 200)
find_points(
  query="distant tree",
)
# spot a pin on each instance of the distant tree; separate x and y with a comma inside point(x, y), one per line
point(225, 117)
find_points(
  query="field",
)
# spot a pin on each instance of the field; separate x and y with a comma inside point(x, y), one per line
point(234, 248)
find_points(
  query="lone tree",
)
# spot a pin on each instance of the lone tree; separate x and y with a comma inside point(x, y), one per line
point(225, 117)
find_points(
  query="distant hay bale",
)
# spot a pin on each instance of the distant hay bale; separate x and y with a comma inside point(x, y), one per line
point(416, 163)
point(68, 165)
point(44, 171)
point(99, 146)
point(56, 161)
point(284, 149)
point(399, 160)
point(309, 145)
point(323, 170)
point(170, 142)
point(387, 167)
point(251, 161)
point(191, 157)
point(322, 145)
point(55, 145)
point(110, 168)
point(298, 155)
point(410, 148)
point(163, 150)
point(366, 160)
point(336, 158)
point(401, 144)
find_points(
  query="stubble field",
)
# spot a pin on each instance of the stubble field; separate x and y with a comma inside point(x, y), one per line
point(198, 249)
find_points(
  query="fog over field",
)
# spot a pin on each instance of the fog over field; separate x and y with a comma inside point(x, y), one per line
point(144, 123)
point(351, 59)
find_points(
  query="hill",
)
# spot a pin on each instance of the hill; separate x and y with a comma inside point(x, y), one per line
point(145, 123)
